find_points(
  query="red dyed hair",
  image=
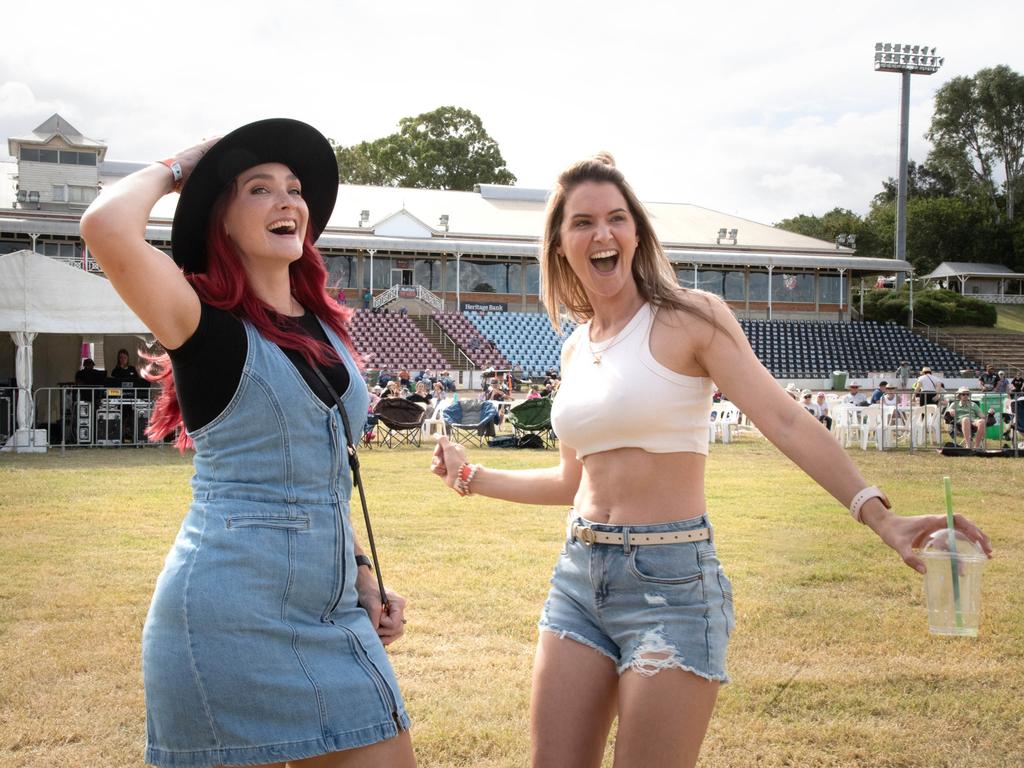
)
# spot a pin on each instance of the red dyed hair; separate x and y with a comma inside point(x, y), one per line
point(225, 286)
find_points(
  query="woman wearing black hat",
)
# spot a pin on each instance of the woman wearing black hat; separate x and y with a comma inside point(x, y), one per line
point(264, 641)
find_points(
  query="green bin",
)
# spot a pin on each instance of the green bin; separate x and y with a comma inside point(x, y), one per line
point(839, 380)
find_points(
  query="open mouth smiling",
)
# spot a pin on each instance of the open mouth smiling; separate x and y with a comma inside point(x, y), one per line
point(282, 227)
point(604, 261)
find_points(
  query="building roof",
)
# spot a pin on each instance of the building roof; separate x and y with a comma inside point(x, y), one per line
point(52, 127)
point(972, 269)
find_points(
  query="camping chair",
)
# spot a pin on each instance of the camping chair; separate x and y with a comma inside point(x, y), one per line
point(471, 421)
point(533, 417)
point(398, 422)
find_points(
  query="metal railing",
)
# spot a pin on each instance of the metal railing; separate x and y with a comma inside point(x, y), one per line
point(423, 294)
point(946, 340)
point(998, 298)
point(94, 416)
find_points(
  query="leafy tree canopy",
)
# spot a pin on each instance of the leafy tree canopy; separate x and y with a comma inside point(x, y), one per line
point(444, 149)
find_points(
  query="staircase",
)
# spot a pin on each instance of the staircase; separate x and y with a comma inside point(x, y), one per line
point(1003, 351)
point(455, 359)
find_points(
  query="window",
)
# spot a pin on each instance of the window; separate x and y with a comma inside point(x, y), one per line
point(31, 155)
point(340, 271)
point(58, 249)
point(81, 194)
point(532, 278)
point(49, 156)
point(796, 288)
point(829, 289)
point(427, 272)
point(59, 193)
point(484, 277)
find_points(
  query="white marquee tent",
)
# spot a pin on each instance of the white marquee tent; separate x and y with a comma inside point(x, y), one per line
point(40, 295)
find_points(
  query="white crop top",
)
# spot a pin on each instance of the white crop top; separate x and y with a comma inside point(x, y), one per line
point(628, 399)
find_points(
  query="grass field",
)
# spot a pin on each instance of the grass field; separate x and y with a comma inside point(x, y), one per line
point(1011, 317)
point(832, 662)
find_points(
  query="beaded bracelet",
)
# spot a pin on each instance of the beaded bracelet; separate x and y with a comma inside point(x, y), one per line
point(466, 474)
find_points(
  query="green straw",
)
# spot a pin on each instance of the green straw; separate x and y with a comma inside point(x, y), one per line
point(951, 534)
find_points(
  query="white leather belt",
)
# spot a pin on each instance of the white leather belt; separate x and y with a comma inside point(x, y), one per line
point(589, 536)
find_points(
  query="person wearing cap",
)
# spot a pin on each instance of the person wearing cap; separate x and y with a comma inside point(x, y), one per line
point(265, 637)
point(967, 418)
point(928, 387)
point(879, 391)
point(639, 614)
point(854, 396)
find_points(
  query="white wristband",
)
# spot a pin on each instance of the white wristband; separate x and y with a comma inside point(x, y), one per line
point(858, 501)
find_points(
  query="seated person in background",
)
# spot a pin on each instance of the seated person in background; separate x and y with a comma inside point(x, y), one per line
point(821, 411)
point(890, 399)
point(89, 376)
point(534, 392)
point(1017, 384)
point(420, 395)
point(989, 379)
point(404, 379)
point(793, 390)
point(447, 381)
point(966, 416)
point(1003, 385)
point(879, 391)
point(494, 392)
point(125, 373)
point(855, 396)
point(391, 390)
point(383, 378)
point(808, 403)
point(374, 397)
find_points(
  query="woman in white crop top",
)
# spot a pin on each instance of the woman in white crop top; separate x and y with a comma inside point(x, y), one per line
point(633, 470)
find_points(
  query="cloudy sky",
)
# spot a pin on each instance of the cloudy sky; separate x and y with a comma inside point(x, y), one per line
point(763, 110)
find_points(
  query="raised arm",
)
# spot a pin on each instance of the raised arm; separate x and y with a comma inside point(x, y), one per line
point(114, 227)
point(726, 355)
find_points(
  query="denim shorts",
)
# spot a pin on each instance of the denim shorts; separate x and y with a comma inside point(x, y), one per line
point(647, 608)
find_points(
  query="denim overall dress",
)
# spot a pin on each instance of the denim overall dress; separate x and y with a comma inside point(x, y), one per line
point(254, 649)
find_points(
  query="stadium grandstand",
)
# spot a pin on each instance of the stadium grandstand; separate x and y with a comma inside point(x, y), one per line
point(439, 279)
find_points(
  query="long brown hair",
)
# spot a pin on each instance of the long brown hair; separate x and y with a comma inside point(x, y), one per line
point(654, 276)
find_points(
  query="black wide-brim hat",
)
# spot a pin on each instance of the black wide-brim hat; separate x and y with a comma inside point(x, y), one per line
point(279, 140)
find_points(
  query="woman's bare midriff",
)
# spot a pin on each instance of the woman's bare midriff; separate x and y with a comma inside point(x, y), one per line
point(629, 486)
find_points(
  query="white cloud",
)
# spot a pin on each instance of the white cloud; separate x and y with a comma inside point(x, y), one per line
point(761, 110)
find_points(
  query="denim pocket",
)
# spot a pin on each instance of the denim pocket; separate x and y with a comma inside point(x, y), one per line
point(665, 564)
point(268, 521)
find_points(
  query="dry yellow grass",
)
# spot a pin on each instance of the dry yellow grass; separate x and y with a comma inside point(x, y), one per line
point(832, 662)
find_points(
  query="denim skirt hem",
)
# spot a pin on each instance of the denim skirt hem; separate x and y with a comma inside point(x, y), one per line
point(277, 753)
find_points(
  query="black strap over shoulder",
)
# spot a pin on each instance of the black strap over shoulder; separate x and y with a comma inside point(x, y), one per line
point(357, 480)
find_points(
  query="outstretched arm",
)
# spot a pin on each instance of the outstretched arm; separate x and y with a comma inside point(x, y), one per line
point(732, 364)
point(551, 485)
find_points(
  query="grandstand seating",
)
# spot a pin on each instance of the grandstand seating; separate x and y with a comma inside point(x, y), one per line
point(526, 338)
point(467, 337)
point(789, 349)
point(808, 349)
point(390, 341)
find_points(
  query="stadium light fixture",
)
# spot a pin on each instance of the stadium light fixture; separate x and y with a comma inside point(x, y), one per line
point(907, 60)
point(443, 222)
point(364, 217)
point(726, 234)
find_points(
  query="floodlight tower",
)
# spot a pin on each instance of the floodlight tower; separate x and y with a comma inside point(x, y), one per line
point(907, 60)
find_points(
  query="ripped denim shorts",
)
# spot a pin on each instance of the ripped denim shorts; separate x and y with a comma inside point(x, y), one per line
point(647, 608)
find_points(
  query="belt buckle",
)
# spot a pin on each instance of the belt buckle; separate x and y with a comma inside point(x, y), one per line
point(586, 535)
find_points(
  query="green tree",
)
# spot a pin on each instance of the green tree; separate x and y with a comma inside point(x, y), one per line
point(444, 149)
point(922, 181)
point(835, 222)
point(978, 126)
